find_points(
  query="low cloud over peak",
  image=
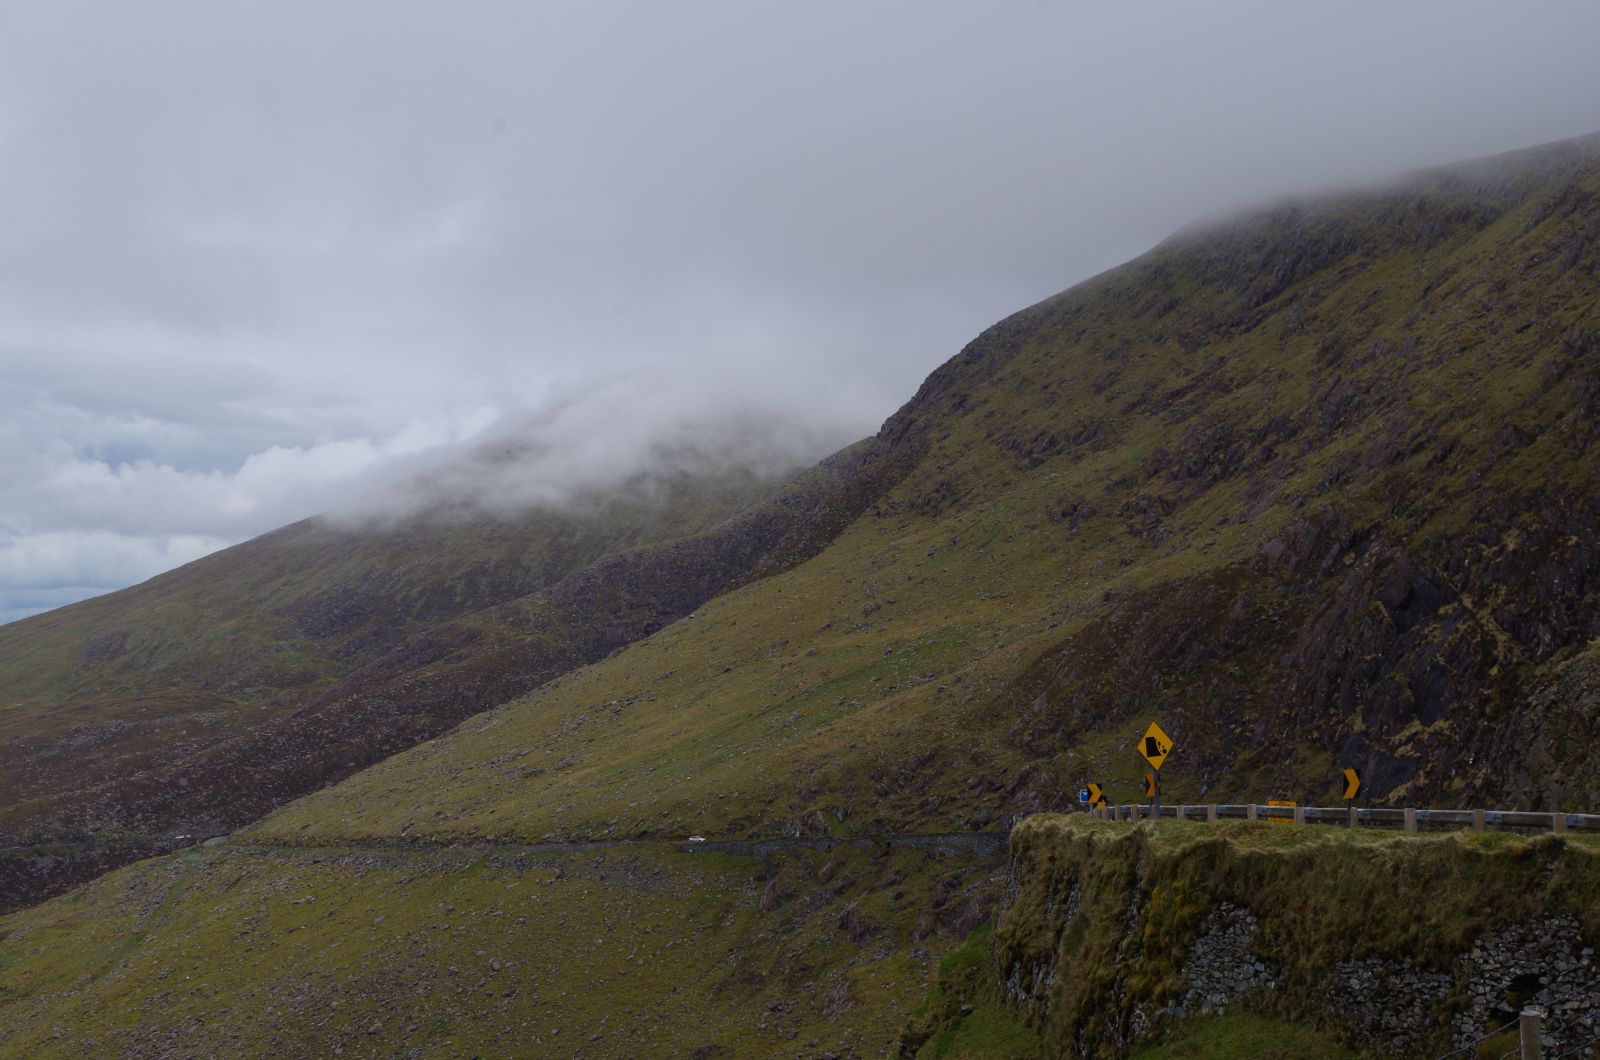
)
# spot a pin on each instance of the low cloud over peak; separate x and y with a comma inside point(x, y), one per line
point(259, 259)
point(81, 522)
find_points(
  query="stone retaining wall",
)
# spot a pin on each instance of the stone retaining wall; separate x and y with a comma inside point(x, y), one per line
point(1102, 944)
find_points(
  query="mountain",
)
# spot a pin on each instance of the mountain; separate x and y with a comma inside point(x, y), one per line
point(194, 703)
point(1317, 488)
point(1314, 487)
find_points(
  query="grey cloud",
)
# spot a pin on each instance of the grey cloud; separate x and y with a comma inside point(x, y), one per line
point(231, 231)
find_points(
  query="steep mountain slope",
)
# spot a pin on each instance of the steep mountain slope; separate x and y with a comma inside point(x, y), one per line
point(196, 702)
point(1315, 487)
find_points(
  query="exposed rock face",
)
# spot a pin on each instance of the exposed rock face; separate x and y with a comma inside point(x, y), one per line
point(1387, 1001)
point(1222, 964)
point(1342, 636)
point(1105, 936)
point(1545, 964)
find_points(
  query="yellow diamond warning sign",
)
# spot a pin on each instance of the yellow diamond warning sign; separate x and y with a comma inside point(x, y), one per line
point(1155, 745)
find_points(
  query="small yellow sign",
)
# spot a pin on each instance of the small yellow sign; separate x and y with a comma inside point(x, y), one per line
point(1096, 796)
point(1149, 785)
point(1352, 783)
point(1155, 745)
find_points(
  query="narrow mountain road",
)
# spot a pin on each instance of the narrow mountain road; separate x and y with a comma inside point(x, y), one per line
point(981, 844)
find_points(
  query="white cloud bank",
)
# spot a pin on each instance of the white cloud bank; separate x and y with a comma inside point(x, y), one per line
point(76, 525)
point(41, 571)
point(258, 258)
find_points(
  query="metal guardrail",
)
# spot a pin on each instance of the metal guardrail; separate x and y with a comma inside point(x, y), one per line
point(1406, 818)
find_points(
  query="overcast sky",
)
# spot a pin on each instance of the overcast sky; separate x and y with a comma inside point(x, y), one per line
point(255, 256)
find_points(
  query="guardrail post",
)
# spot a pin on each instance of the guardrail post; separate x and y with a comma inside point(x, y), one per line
point(1532, 1033)
point(1211, 813)
point(1411, 819)
point(1558, 822)
point(1479, 821)
point(1250, 812)
point(1299, 815)
point(1353, 817)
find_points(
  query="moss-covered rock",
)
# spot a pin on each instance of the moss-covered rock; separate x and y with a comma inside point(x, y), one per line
point(1114, 935)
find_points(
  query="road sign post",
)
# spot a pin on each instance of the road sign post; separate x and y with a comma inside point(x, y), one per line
point(1155, 745)
point(1352, 784)
point(1152, 790)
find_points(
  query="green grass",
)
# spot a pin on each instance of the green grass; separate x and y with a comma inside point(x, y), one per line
point(964, 1020)
point(456, 950)
point(987, 1031)
point(1245, 1036)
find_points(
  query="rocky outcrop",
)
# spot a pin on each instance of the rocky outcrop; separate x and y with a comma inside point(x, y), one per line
point(1387, 1002)
point(1106, 936)
point(1222, 965)
point(1545, 964)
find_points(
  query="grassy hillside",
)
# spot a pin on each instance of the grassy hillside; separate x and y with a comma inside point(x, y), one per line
point(1314, 488)
point(460, 953)
point(196, 702)
point(1348, 517)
